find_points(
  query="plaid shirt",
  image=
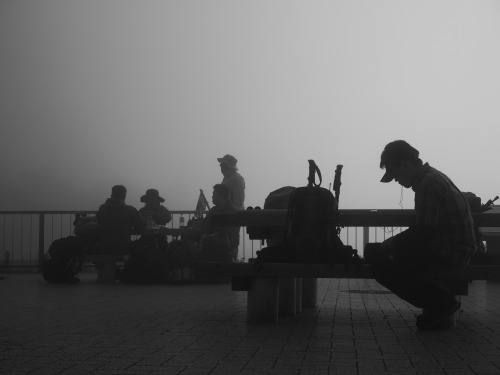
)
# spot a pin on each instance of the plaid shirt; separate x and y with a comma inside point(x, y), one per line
point(439, 204)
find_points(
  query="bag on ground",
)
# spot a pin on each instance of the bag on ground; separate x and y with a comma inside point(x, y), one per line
point(63, 260)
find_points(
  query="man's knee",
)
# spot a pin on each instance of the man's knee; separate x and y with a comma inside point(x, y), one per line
point(382, 267)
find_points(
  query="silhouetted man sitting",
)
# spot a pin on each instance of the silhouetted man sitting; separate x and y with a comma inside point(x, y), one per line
point(118, 222)
point(443, 234)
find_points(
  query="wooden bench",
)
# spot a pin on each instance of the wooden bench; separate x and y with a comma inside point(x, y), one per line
point(276, 289)
point(106, 266)
point(266, 303)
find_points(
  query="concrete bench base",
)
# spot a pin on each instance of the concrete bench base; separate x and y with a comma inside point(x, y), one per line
point(106, 266)
point(280, 289)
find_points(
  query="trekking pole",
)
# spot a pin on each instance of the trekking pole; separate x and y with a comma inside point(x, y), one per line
point(337, 182)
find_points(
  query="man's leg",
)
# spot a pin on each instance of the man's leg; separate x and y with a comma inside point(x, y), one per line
point(407, 282)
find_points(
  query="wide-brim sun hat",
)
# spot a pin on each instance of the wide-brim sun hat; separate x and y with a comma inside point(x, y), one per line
point(152, 194)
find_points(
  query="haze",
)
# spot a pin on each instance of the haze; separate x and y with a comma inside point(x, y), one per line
point(149, 93)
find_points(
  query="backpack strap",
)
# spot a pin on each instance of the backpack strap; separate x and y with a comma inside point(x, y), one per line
point(313, 170)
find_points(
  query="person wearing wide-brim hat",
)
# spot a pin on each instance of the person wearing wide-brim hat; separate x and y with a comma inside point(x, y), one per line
point(154, 209)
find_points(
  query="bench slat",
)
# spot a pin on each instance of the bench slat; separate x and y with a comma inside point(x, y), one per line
point(472, 272)
point(102, 258)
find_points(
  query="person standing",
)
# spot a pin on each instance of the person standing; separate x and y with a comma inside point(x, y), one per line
point(236, 184)
point(442, 235)
point(233, 180)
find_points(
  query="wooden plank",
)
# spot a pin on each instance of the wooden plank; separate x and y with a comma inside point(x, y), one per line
point(283, 270)
point(272, 270)
point(102, 258)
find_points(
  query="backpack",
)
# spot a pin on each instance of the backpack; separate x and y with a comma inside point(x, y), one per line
point(310, 234)
point(63, 260)
point(481, 254)
point(310, 229)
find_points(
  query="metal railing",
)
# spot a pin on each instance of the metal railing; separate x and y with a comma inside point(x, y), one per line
point(26, 235)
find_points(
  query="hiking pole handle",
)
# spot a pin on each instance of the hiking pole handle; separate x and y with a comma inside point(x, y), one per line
point(337, 181)
point(313, 170)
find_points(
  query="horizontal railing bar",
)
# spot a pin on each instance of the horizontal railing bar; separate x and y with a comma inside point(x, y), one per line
point(72, 212)
point(346, 218)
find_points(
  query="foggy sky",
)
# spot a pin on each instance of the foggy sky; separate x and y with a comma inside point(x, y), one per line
point(149, 93)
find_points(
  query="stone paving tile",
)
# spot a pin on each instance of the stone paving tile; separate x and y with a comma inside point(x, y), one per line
point(358, 328)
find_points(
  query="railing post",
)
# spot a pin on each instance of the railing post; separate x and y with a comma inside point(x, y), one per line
point(41, 239)
point(366, 237)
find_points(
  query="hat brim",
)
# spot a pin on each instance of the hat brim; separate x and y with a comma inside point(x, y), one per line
point(223, 161)
point(387, 177)
point(144, 198)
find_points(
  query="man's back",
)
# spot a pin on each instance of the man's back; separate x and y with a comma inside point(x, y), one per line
point(440, 204)
point(118, 222)
point(236, 184)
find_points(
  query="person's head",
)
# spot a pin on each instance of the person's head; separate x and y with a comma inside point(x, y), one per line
point(119, 192)
point(152, 197)
point(220, 194)
point(227, 164)
point(401, 163)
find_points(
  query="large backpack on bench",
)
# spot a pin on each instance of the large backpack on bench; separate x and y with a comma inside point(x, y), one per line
point(310, 230)
point(311, 226)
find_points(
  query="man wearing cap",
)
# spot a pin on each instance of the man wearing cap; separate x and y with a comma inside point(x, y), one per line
point(153, 208)
point(442, 235)
point(236, 184)
point(233, 180)
point(118, 221)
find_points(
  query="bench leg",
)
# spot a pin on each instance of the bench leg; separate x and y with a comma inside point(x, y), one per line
point(287, 295)
point(106, 272)
point(456, 315)
point(309, 292)
point(262, 301)
point(298, 295)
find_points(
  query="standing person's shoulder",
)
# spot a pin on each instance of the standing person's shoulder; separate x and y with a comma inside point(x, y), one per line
point(240, 178)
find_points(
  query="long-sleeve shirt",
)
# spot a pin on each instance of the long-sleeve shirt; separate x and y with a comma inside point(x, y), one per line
point(236, 184)
point(443, 221)
point(160, 214)
point(118, 222)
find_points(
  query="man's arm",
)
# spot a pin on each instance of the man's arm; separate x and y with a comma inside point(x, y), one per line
point(421, 234)
point(138, 223)
point(238, 192)
point(163, 216)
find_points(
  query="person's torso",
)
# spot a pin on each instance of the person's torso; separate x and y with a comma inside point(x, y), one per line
point(236, 184)
point(440, 204)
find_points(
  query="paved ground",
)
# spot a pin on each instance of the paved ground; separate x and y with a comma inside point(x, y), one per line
point(358, 328)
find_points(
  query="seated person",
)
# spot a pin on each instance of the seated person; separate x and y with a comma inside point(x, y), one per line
point(153, 208)
point(88, 230)
point(155, 214)
point(442, 235)
point(217, 242)
point(118, 221)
